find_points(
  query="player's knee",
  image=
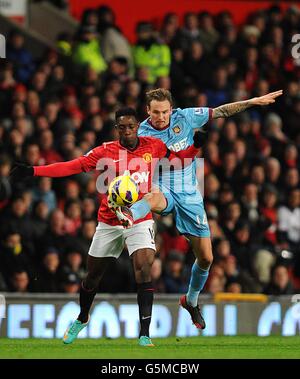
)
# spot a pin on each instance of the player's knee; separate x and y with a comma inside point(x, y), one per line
point(91, 281)
point(205, 261)
point(143, 271)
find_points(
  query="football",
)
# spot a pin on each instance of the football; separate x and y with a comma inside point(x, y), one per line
point(123, 190)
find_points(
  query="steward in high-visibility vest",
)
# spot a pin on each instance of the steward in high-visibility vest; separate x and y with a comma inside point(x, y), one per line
point(87, 51)
point(148, 53)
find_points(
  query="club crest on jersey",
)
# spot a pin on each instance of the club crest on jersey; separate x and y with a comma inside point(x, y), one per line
point(147, 157)
point(177, 129)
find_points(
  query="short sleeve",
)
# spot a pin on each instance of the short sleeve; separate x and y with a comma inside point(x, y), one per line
point(197, 117)
point(89, 160)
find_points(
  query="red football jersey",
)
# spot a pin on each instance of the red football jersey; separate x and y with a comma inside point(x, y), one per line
point(112, 159)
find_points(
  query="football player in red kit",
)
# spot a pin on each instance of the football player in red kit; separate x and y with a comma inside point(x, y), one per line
point(139, 156)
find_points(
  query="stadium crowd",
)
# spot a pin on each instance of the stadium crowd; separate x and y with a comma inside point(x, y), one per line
point(62, 105)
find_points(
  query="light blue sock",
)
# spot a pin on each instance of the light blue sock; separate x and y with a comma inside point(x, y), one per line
point(140, 209)
point(197, 281)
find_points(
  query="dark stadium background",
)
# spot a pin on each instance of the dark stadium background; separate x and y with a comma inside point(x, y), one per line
point(53, 108)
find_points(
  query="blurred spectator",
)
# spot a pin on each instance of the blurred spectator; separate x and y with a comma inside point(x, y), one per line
point(197, 66)
point(5, 186)
point(218, 92)
point(291, 179)
point(175, 275)
point(149, 54)
point(236, 274)
point(56, 235)
point(189, 32)
point(227, 172)
point(170, 29)
point(222, 249)
point(40, 214)
point(15, 255)
point(87, 50)
point(113, 42)
point(20, 56)
point(289, 227)
point(289, 219)
point(33, 155)
point(249, 202)
point(242, 247)
point(73, 216)
point(273, 170)
point(86, 233)
point(70, 283)
point(231, 217)
point(233, 286)
point(3, 285)
point(48, 278)
point(269, 212)
point(211, 188)
point(208, 35)
point(216, 280)
point(16, 218)
point(43, 192)
point(88, 208)
point(46, 143)
point(20, 282)
point(280, 283)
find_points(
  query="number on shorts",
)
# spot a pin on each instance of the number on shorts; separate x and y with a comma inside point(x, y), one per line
point(151, 231)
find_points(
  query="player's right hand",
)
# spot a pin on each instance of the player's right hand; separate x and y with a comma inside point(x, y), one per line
point(21, 171)
point(111, 204)
point(200, 137)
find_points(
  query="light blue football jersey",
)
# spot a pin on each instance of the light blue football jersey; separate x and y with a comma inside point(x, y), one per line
point(179, 136)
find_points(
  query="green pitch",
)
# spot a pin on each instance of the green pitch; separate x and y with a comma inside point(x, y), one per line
point(168, 348)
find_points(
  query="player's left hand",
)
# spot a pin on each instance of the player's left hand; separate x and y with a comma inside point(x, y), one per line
point(267, 99)
point(200, 138)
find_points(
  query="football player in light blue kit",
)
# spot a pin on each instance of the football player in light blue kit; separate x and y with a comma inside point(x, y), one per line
point(179, 191)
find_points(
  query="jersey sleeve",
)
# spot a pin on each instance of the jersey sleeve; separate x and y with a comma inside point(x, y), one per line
point(197, 117)
point(89, 160)
point(59, 169)
point(161, 150)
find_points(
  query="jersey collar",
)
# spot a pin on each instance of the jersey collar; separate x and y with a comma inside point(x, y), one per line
point(128, 148)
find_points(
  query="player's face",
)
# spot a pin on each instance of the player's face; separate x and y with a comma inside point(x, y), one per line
point(159, 112)
point(127, 127)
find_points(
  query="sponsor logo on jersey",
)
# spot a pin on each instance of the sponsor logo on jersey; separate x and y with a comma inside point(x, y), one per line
point(147, 157)
point(199, 111)
point(181, 145)
point(140, 177)
point(177, 129)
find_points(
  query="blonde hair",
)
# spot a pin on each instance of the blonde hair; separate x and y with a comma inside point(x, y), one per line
point(159, 94)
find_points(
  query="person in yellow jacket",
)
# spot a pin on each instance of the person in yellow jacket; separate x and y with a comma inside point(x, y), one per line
point(150, 54)
point(87, 51)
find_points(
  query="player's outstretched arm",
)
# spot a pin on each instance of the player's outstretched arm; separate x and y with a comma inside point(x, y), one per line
point(230, 109)
point(55, 170)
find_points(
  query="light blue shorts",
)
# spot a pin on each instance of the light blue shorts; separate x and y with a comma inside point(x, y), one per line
point(189, 212)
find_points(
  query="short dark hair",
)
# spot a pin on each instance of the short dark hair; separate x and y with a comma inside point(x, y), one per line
point(126, 112)
point(159, 94)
